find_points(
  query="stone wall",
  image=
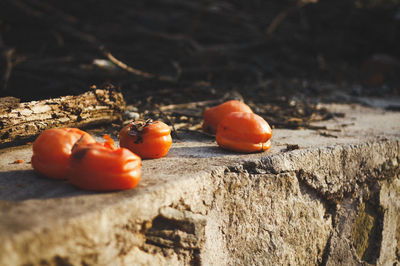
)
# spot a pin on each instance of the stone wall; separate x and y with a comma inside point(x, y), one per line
point(336, 205)
point(257, 213)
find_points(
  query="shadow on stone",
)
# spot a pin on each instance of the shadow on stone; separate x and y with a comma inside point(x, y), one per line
point(199, 152)
point(21, 185)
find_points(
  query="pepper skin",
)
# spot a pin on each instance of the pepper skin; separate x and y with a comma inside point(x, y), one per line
point(244, 132)
point(101, 167)
point(148, 139)
point(52, 149)
point(214, 115)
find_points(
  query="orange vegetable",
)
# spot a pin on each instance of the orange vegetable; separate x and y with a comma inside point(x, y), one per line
point(244, 132)
point(214, 115)
point(52, 149)
point(147, 139)
point(102, 167)
point(109, 142)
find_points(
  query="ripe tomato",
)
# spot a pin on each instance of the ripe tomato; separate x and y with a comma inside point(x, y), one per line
point(214, 115)
point(101, 167)
point(52, 149)
point(147, 139)
point(244, 132)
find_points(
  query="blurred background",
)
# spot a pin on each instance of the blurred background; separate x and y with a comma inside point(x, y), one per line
point(176, 51)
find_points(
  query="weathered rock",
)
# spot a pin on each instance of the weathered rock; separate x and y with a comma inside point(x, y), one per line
point(334, 201)
point(267, 220)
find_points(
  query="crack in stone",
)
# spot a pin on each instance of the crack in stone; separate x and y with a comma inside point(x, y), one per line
point(178, 230)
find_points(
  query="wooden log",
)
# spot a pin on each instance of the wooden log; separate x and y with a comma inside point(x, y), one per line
point(22, 121)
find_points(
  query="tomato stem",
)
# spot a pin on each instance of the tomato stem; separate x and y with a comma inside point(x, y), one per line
point(138, 126)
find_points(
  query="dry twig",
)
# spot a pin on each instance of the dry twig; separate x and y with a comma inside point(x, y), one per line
point(64, 22)
point(21, 121)
point(283, 14)
point(174, 132)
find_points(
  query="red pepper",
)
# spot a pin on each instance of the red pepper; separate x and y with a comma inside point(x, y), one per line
point(147, 139)
point(102, 167)
point(214, 115)
point(52, 149)
point(244, 132)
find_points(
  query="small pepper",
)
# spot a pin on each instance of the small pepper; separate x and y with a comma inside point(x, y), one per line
point(102, 167)
point(52, 149)
point(148, 139)
point(244, 132)
point(214, 115)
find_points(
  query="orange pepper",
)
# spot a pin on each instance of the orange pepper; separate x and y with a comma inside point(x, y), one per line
point(109, 142)
point(102, 167)
point(147, 139)
point(52, 149)
point(214, 115)
point(244, 132)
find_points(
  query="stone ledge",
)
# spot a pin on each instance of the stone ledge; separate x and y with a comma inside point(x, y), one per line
point(328, 202)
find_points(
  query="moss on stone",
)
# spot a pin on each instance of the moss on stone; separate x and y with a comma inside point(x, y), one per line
point(361, 230)
point(366, 233)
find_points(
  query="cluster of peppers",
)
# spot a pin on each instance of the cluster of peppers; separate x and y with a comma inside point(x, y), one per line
point(237, 128)
point(72, 154)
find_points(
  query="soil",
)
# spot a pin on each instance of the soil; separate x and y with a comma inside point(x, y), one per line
point(281, 57)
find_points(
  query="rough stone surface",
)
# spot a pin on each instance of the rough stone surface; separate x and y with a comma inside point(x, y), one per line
point(267, 219)
point(333, 201)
